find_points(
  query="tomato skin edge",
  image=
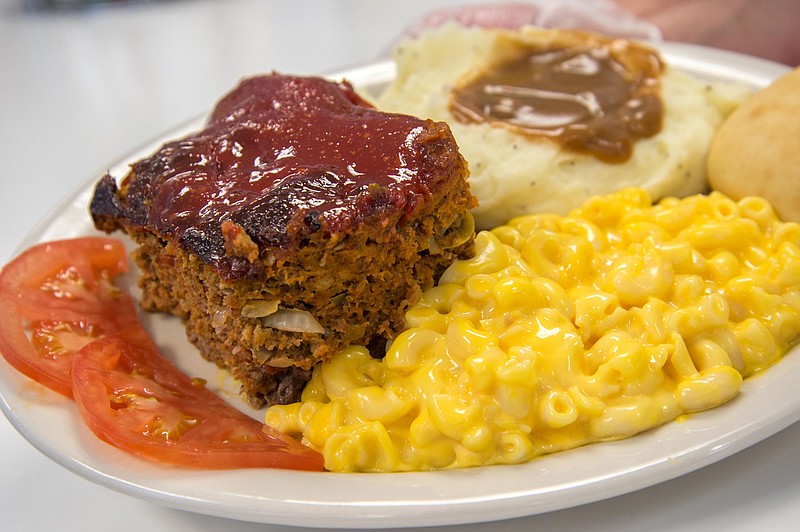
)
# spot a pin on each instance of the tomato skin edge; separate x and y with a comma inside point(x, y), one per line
point(18, 351)
point(93, 377)
point(20, 302)
point(102, 253)
point(67, 282)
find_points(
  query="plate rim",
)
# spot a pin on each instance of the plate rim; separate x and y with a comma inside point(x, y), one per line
point(420, 511)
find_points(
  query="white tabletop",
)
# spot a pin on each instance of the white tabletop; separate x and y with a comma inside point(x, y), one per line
point(79, 90)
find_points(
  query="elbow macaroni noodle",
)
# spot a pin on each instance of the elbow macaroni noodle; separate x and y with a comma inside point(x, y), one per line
point(565, 330)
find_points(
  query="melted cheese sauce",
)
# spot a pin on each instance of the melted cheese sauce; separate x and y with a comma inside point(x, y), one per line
point(562, 331)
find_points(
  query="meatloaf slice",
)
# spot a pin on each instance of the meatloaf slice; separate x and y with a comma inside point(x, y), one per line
point(298, 221)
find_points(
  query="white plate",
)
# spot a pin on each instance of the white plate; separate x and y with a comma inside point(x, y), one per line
point(767, 404)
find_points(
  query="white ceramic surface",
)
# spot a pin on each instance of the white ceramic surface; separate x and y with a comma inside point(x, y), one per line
point(767, 404)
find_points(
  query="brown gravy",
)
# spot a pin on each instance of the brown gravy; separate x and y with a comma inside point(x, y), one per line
point(597, 98)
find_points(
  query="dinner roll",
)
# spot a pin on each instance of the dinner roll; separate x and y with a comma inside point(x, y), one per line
point(756, 151)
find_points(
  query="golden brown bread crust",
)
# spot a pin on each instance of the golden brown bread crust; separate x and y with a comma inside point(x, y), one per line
point(756, 151)
point(353, 269)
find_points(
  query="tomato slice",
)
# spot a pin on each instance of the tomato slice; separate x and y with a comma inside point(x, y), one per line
point(135, 399)
point(56, 297)
point(64, 324)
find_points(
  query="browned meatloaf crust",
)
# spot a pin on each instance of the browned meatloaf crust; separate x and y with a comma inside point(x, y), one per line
point(298, 221)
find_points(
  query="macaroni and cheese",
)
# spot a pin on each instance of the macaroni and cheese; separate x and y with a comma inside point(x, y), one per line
point(565, 330)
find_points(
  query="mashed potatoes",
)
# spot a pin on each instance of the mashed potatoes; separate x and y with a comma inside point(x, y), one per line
point(515, 174)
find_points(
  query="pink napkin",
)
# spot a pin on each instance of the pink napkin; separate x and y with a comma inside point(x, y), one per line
point(602, 16)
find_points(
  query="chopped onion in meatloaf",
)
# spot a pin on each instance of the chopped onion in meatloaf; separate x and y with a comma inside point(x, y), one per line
point(298, 221)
